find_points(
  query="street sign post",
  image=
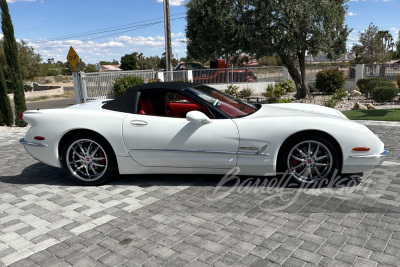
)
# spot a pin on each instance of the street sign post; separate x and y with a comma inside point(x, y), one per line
point(73, 58)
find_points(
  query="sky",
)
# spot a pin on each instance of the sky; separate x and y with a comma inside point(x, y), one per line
point(103, 30)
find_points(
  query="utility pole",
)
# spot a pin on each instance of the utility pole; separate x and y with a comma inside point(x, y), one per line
point(167, 25)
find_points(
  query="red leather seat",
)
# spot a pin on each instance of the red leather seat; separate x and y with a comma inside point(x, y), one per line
point(145, 106)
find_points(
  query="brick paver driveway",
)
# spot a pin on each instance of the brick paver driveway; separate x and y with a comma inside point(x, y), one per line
point(47, 220)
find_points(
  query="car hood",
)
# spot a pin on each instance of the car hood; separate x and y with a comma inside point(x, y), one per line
point(296, 109)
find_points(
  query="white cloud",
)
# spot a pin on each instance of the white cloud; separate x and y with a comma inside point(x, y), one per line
point(92, 51)
point(351, 14)
point(173, 2)
point(157, 41)
point(1, 36)
point(179, 34)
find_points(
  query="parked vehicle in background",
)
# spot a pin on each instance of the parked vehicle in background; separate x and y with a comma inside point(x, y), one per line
point(218, 74)
point(189, 66)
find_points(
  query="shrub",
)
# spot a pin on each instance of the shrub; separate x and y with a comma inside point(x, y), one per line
point(124, 83)
point(384, 94)
point(185, 80)
point(287, 85)
point(27, 88)
point(330, 80)
point(398, 79)
point(273, 93)
point(335, 99)
point(330, 103)
point(367, 85)
point(247, 92)
point(153, 80)
point(339, 95)
point(285, 100)
point(232, 90)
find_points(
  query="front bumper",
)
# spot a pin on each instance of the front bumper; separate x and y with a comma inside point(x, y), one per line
point(35, 144)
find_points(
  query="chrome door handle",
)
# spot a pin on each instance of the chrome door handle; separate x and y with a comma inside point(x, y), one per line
point(138, 123)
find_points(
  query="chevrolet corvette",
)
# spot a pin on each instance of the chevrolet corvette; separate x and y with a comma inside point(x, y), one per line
point(186, 128)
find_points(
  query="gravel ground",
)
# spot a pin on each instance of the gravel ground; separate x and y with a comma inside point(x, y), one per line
point(348, 103)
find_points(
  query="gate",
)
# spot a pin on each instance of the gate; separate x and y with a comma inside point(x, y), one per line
point(99, 85)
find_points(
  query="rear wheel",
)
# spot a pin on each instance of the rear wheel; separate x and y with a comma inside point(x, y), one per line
point(89, 160)
point(309, 159)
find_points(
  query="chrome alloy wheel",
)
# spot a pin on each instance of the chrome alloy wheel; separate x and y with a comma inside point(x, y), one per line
point(309, 161)
point(86, 160)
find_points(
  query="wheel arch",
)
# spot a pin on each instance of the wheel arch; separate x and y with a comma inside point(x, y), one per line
point(308, 132)
point(74, 132)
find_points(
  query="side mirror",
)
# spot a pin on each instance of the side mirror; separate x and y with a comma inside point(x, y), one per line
point(197, 116)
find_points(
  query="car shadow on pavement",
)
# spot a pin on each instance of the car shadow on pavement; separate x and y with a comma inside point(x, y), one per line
point(40, 173)
point(348, 194)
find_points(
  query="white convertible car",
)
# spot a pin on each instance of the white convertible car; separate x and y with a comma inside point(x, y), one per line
point(184, 128)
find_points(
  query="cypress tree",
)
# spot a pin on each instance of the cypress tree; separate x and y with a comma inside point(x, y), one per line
point(12, 58)
point(6, 115)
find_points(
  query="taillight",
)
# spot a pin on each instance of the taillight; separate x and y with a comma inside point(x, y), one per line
point(39, 138)
point(21, 116)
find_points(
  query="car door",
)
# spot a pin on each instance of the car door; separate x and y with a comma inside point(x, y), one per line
point(160, 141)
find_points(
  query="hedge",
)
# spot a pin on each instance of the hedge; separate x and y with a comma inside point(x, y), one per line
point(330, 80)
point(124, 83)
point(367, 85)
point(384, 94)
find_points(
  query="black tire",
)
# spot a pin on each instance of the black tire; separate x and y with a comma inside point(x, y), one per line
point(306, 167)
point(89, 160)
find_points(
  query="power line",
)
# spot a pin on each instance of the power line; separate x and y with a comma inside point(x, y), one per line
point(124, 28)
point(131, 30)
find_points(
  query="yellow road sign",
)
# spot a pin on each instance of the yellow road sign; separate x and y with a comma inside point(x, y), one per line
point(72, 57)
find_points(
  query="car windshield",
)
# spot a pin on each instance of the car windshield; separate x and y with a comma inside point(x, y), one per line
point(226, 103)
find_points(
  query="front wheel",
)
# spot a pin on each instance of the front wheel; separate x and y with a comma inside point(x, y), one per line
point(89, 160)
point(309, 159)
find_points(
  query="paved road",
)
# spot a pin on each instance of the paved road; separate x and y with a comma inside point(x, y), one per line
point(185, 220)
point(53, 103)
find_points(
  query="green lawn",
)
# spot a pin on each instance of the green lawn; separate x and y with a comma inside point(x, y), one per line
point(374, 114)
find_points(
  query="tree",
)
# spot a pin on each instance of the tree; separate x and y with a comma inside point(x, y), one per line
point(91, 68)
point(373, 47)
point(12, 58)
point(290, 29)
point(114, 62)
point(267, 61)
point(386, 41)
point(151, 62)
point(6, 115)
point(396, 55)
point(163, 60)
point(68, 69)
point(215, 28)
point(287, 28)
point(29, 61)
point(129, 61)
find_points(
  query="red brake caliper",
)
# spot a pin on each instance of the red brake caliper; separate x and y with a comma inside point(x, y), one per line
point(101, 155)
point(295, 162)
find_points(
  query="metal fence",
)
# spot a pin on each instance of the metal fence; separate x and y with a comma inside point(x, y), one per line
point(100, 85)
point(348, 70)
point(387, 71)
point(175, 76)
